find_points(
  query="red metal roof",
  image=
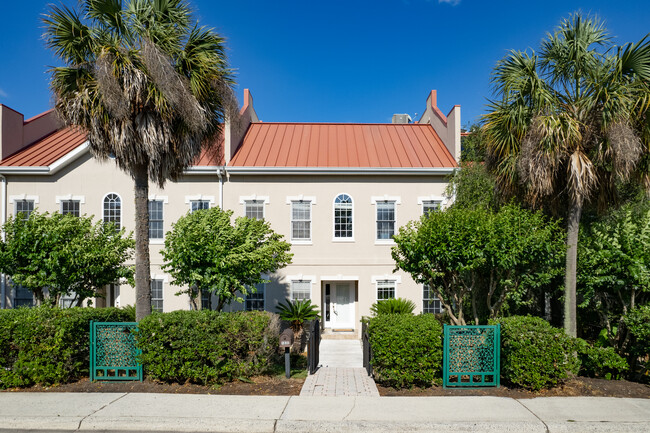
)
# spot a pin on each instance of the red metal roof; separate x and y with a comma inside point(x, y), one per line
point(46, 150)
point(342, 145)
point(56, 145)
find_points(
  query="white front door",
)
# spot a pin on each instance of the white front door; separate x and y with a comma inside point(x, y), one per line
point(339, 303)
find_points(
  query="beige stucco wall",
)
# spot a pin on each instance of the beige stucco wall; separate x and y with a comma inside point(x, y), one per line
point(323, 260)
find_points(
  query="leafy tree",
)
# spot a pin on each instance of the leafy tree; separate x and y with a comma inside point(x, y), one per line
point(480, 258)
point(472, 187)
point(206, 252)
point(571, 123)
point(614, 271)
point(62, 255)
point(148, 86)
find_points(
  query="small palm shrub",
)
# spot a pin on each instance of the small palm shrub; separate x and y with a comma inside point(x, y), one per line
point(392, 306)
point(297, 313)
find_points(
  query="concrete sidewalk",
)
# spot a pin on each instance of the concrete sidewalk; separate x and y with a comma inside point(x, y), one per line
point(118, 412)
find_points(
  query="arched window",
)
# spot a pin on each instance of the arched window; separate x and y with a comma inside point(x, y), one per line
point(343, 217)
point(113, 210)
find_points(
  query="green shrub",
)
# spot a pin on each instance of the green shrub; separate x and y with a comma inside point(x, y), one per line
point(206, 346)
point(534, 355)
point(393, 306)
point(637, 322)
point(601, 362)
point(406, 349)
point(46, 345)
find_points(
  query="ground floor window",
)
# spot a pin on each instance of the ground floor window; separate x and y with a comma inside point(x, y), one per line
point(206, 300)
point(157, 295)
point(255, 301)
point(430, 302)
point(300, 289)
point(385, 289)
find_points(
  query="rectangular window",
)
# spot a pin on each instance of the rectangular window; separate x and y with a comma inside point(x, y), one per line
point(68, 300)
point(70, 207)
point(199, 205)
point(430, 302)
point(385, 220)
point(157, 295)
point(385, 290)
point(255, 301)
point(254, 209)
point(300, 220)
point(300, 289)
point(429, 206)
point(24, 208)
point(206, 300)
point(156, 219)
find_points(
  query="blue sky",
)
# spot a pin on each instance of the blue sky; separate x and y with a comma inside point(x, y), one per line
point(340, 61)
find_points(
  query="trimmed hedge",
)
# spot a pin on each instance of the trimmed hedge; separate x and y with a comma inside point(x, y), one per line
point(534, 355)
point(46, 345)
point(207, 347)
point(406, 349)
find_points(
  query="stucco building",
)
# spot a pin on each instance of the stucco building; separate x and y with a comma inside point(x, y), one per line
point(336, 191)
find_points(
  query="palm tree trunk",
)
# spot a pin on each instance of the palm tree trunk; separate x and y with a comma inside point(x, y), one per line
point(142, 261)
point(573, 227)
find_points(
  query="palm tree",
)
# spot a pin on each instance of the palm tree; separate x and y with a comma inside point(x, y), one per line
point(571, 122)
point(149, 87)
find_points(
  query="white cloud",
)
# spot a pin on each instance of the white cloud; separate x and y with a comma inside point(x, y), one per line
point(450, 2)
point(3, 94)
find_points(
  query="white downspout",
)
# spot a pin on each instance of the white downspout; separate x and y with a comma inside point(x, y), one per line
point(220, 189)
point(3, 219)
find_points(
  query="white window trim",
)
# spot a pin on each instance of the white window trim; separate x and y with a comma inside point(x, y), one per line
point(165, 200)
point(164, 282)
point(14, 198)
point(80, 198)
point(190, 198)
point(121, 208)
point(382, 199)
point(311, 279)
point(162, 198)
point(395, 198)
point(262, 198)
point(334, 238)
point(442, 309)
point(311, 201)
point(301, 197)
point(397, 279)
point(443, 201)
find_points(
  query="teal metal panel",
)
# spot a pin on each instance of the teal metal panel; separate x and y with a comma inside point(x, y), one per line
point(113, 351)
point(471, 356)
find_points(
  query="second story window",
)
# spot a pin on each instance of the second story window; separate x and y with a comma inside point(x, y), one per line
point(70, 207)
point(385, 220)
point(301, 220)
point(254, 209)
point(24, 208)
point(429, 206)
point(343, 217)
point(199, 205)
point(156, 219)
point(113, 210)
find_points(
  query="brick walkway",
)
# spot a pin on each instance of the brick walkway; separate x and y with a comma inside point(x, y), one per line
point(341, 371)
point(339, 381)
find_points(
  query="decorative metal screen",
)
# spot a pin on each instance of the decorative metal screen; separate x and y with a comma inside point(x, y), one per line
point(113, 352)
point(471, 356)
